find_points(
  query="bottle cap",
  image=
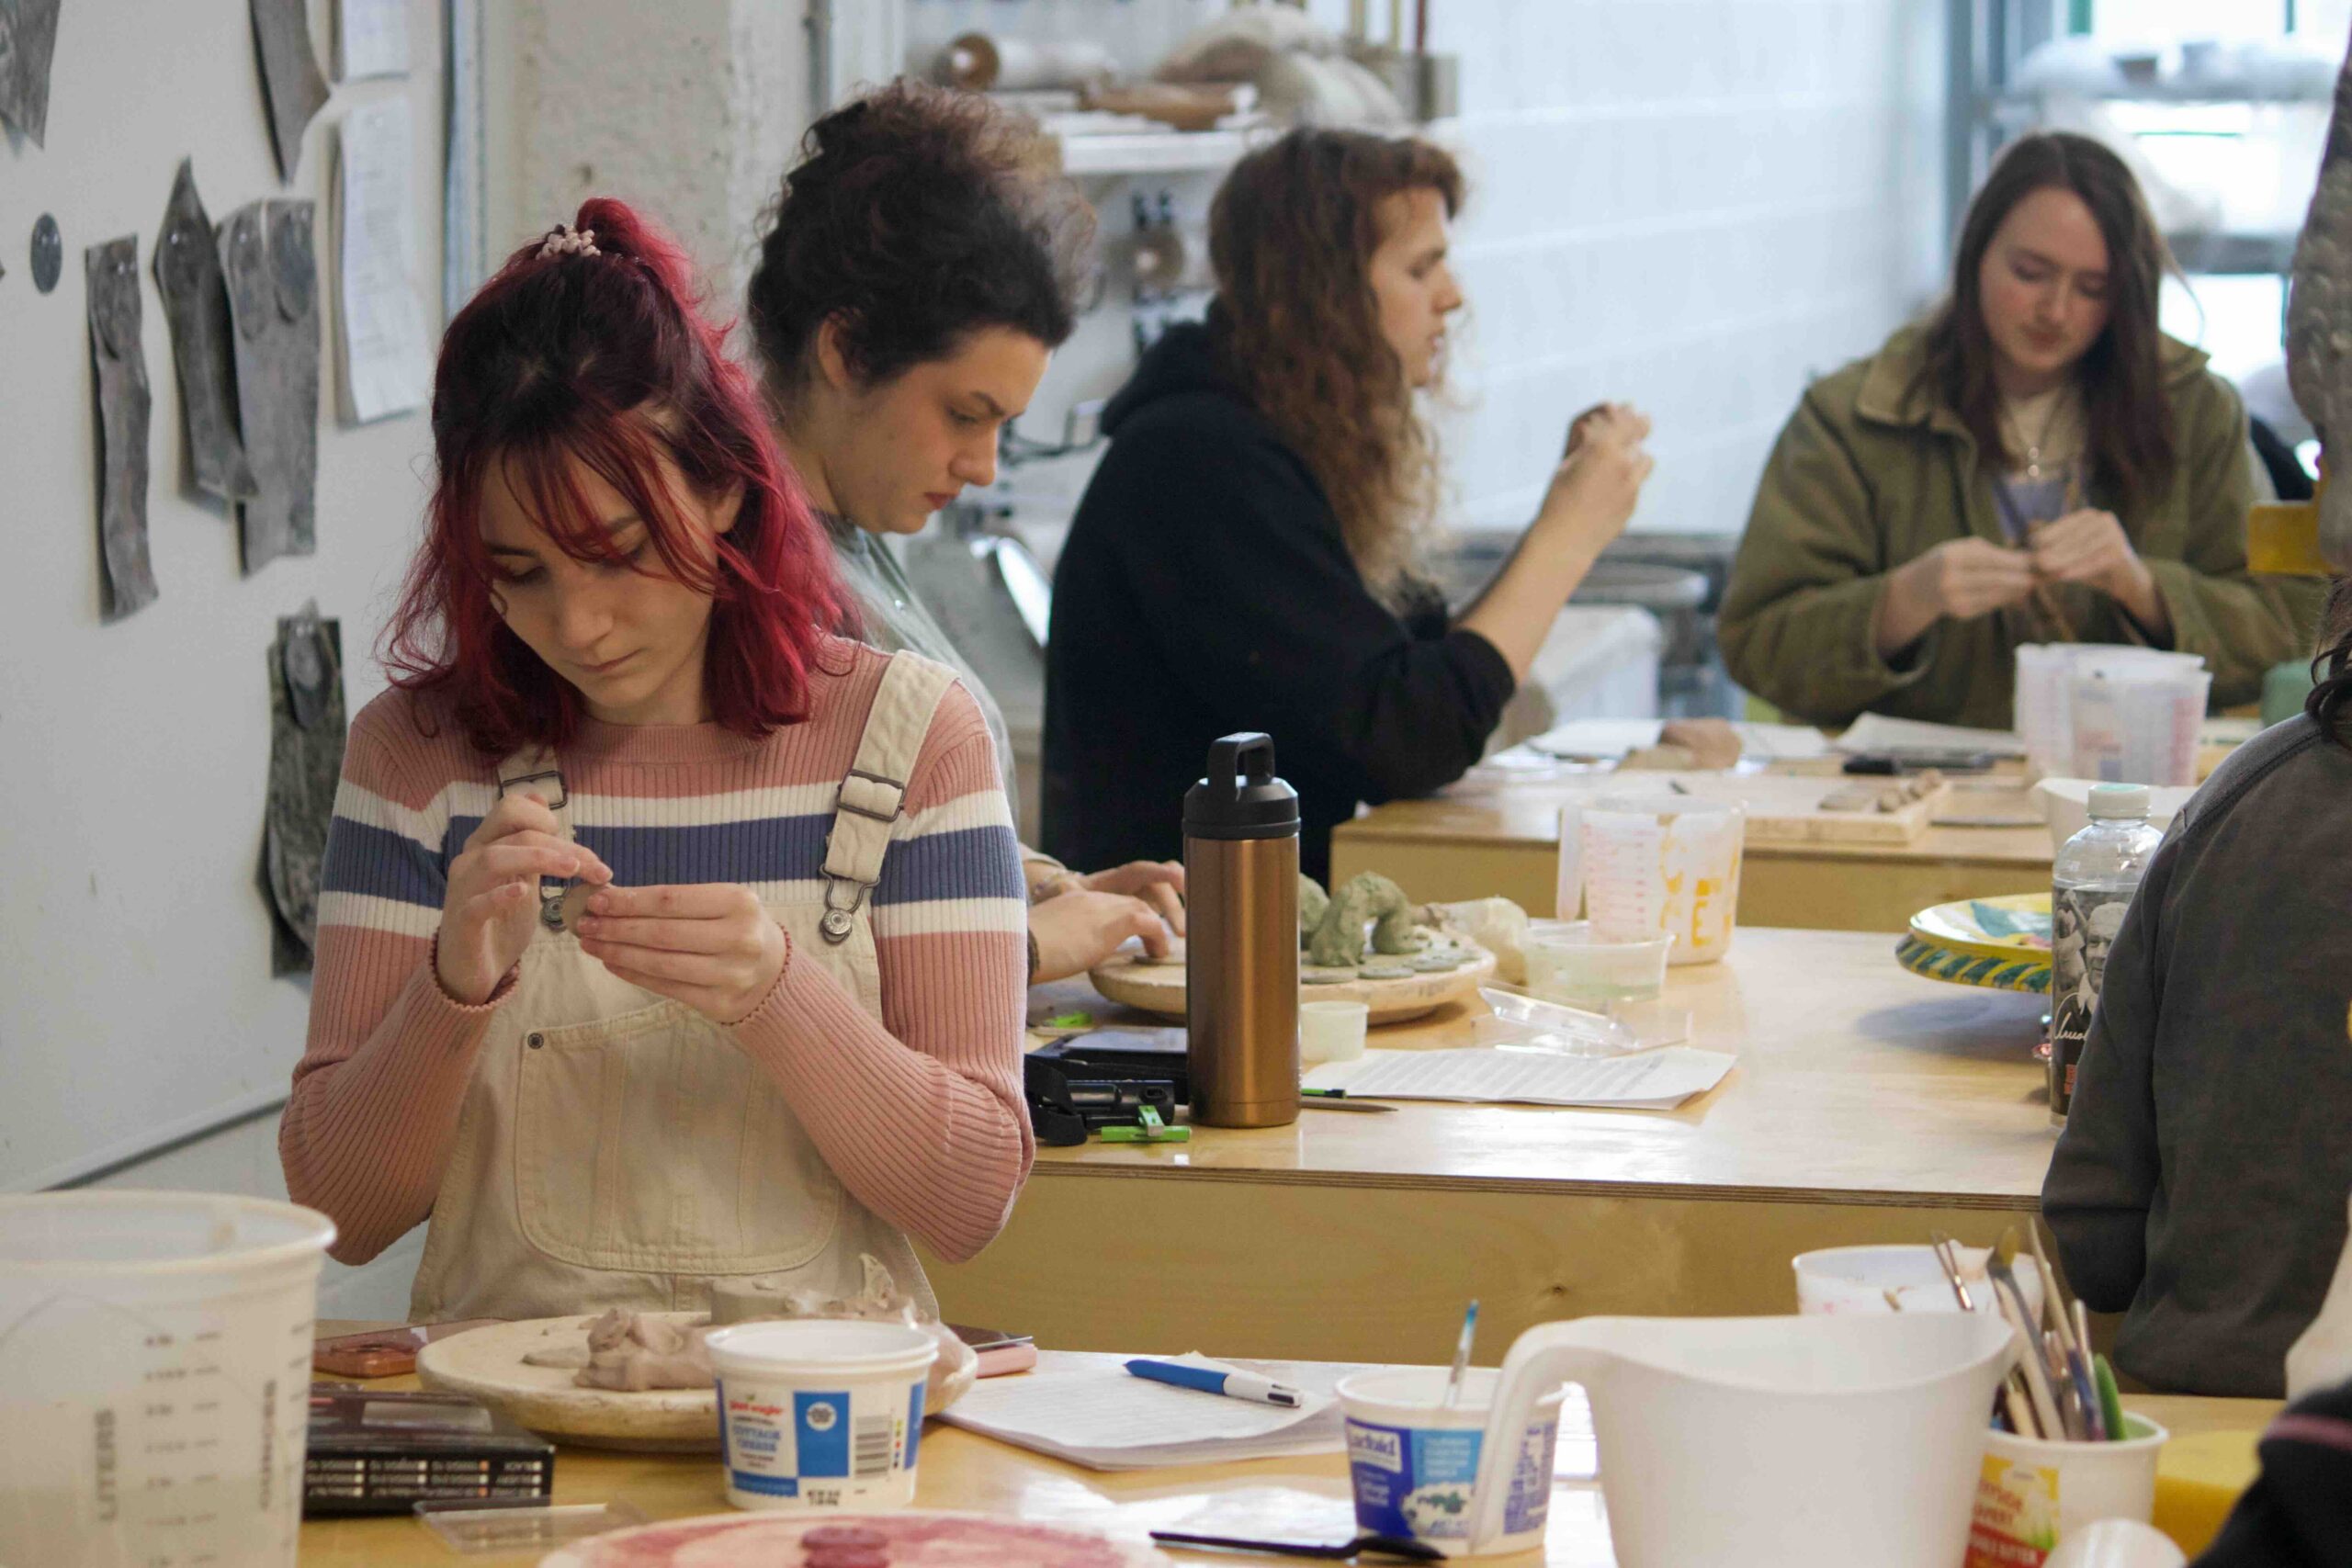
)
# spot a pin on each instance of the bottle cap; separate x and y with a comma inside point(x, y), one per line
point(1242, 798)
point(2113, 801)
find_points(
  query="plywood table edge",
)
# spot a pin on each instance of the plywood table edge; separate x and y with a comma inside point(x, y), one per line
point(1537, 1187)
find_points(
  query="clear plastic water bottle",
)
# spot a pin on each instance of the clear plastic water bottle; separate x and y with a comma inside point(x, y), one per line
point(2092, 882)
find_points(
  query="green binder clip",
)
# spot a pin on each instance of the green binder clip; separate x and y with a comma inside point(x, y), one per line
point(1148, 1129)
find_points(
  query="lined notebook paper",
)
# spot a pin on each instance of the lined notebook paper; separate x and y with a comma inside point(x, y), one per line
point(1089, 1409)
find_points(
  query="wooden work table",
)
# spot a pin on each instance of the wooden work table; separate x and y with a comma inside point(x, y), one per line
point(1477, 841)
point(1868, 1105)
point(1299, 1498)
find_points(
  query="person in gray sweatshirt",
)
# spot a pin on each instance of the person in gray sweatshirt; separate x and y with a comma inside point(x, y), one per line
point(2199, 1184)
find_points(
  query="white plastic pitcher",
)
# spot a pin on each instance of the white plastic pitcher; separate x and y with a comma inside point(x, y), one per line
point(154, 1377)
point(1648, 865)
point(1767, 1442)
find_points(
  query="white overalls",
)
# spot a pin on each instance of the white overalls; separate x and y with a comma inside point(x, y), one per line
point(616, 1149)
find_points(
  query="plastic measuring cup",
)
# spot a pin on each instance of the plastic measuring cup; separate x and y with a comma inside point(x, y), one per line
point(154, 1376)
point(1649, 865)
point(821, 1412)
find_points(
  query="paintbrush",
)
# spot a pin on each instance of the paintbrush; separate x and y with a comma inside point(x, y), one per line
point(2012, 1303)
point(1462, 1356)
point(2074, 1339)
point(1947, 1252)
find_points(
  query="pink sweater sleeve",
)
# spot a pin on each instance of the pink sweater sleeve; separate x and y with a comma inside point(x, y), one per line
point(368, 1127)
point(922, 1115)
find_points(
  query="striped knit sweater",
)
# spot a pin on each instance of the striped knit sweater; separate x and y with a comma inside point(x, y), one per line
point(922, 1115)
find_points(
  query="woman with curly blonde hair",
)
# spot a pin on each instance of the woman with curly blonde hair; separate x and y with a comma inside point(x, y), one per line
point(1245, 556)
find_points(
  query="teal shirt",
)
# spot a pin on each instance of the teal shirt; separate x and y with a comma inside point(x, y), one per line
point(891, 618)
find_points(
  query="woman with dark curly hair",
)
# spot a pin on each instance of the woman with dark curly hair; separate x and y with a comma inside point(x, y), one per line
point(916, 271)
point(1245, 556)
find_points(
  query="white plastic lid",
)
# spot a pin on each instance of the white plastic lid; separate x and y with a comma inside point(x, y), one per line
point(2110, 801)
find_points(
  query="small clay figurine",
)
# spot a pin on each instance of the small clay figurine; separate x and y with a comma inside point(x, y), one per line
point(1338, 942)
point(1312, 902)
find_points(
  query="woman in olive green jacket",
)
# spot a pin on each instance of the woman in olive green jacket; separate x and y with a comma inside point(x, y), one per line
point(2036, 463)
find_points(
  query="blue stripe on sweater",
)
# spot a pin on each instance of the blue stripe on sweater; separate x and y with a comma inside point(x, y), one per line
point(972, 862)
point(380, 864)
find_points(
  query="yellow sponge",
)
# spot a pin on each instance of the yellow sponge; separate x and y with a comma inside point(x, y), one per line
point(2199, 1480)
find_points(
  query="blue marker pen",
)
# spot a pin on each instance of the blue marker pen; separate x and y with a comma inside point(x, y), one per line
point(1212, 1380)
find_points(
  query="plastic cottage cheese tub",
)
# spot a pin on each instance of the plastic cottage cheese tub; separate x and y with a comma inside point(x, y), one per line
point(1414, 1461)
point(821, 1412)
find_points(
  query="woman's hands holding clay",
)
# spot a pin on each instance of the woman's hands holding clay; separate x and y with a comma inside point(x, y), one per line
point(711, 946)
point(490, 908)
point(1593, 490)
point(2090, 547)
point(1077, 931)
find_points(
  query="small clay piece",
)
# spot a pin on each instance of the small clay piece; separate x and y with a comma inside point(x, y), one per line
point(47, 253)
point(1326, 976)
point(574, 904)
point(1437, 962)
point(195, 303)
point(825, 1536)
point(28, 44)
point(1339, 942)
point(125, 405)
point(844, 1557)
point(1386, 972)
point(289, 76)
point(1312, 902)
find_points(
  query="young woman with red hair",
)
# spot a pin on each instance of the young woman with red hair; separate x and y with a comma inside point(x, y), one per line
point(662, 935)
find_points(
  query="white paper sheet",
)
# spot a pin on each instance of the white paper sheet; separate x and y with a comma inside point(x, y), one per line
point(1782, 742)
point(1650, 1081)
point(1876, 732)
point(370, 39)
point(386, 363)
point(1089, 1409)
point(1599, 739)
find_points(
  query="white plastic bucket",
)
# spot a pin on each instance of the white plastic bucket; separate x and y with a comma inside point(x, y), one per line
point(821, 1412)
point(1835, 1280)
point(1413, 1460)
point(154, 1377)
point(2033, 1493)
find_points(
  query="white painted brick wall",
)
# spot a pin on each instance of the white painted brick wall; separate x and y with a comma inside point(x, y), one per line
point(1693, 204)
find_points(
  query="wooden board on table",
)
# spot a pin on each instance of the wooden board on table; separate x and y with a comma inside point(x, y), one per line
point(1160, 988)
point(487, 1364)
point(1784, 808)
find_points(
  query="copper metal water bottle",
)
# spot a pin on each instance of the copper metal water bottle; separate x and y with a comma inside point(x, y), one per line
point(1241, 945)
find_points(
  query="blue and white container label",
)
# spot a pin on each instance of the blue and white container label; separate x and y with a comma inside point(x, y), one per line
point(1418, 1481)
point(820, 1447)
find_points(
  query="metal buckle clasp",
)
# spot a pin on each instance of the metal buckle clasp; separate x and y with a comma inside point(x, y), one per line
point(840, 920)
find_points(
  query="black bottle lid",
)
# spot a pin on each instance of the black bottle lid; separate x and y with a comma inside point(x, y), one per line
point(1242, 798)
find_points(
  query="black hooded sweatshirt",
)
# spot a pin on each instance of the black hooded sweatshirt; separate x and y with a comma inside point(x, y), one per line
point(1206, 589)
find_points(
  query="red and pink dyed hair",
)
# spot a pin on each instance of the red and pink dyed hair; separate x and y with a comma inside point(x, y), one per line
point(605, 359)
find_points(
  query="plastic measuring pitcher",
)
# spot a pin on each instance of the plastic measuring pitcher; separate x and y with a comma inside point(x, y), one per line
point(154, 1377)
point(1649, 865)
point(1766, 1442)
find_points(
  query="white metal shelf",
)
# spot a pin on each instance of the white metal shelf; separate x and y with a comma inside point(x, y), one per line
point(1152, 152)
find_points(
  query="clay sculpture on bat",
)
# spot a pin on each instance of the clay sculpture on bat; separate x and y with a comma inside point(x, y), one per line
point(2319, 320)
point(125, 405)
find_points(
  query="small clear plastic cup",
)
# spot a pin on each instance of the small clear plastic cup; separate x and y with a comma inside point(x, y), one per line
point(1567, 964)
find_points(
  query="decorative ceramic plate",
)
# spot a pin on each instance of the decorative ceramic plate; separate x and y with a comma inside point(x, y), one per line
point(1930, 962)
point(2013, 927)
point(918, 1538)
point(487, 1364)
